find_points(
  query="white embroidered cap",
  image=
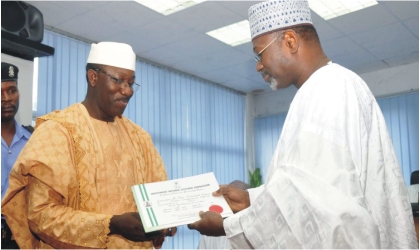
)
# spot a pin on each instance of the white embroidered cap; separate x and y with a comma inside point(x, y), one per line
point(272, 15)
point(114, 54)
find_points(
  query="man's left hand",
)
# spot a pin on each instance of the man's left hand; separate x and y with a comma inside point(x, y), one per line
point(211, 224)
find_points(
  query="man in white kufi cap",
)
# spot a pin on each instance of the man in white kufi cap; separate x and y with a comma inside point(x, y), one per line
point(118, 55)
point(71, 185)
point(334, 180)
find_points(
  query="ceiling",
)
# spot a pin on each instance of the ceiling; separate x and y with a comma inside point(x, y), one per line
point(379, 37)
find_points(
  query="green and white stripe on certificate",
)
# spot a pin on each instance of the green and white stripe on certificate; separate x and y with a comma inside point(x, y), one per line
point(149, 209)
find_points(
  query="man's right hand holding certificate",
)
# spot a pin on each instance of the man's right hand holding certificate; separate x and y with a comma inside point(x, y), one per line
point(237, 198)
point(211, 223)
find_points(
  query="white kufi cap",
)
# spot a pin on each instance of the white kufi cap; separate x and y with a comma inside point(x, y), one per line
point(118, 55)
point(270, 16)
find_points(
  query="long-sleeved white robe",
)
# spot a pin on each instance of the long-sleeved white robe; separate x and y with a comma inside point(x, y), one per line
point(334, 180)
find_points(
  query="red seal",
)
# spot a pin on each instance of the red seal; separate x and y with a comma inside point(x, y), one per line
point(216, 208)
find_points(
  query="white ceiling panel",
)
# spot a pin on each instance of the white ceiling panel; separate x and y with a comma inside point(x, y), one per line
point(247, 69)
point(87, 27)
point(355, 58)
point(125, 18)
point(54, 14)
point(141, 45)
point(236, 82)
point(388, 34)
point(339, 47)
point(199, 16)
point(370, 18)
point(163, 56)
point(403, 9)
point(413, 25)
point(224, 57)
point(239, 7)
point(164, 31)
point(404, 47)
point(246, 48)
point(389, 41)
point(198, 45)
point(326, 31)
point(78, 6)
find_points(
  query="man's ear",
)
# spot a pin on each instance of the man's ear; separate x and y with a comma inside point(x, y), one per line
point(92, 77)
point(292, 40)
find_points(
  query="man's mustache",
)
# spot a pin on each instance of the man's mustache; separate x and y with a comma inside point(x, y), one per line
point(264, 73)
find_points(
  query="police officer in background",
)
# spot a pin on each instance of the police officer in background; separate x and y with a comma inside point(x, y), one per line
point(13, 137)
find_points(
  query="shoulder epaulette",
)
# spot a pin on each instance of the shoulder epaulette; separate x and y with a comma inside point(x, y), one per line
point(29, 128)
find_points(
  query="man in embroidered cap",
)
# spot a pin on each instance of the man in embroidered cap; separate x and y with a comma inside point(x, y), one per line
point(13, 136)
point(71, 185)
point(334, 180)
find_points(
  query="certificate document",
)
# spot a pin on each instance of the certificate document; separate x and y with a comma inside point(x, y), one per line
point(177, 202)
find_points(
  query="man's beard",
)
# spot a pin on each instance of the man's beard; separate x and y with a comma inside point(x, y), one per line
point(273, 84)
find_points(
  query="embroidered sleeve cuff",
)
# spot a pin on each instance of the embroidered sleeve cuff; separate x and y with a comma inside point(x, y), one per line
point(234, 231)
point(103, 237)
point(254, 193)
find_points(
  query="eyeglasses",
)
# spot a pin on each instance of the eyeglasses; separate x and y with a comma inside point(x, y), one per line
point(134, 86)
point(257, 57)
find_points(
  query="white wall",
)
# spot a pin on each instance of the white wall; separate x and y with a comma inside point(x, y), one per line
point(25, 80)
point(384, 82)
point(393, 81)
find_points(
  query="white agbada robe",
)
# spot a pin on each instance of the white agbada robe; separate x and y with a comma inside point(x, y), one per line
point(208, 242)
point(334, 180)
